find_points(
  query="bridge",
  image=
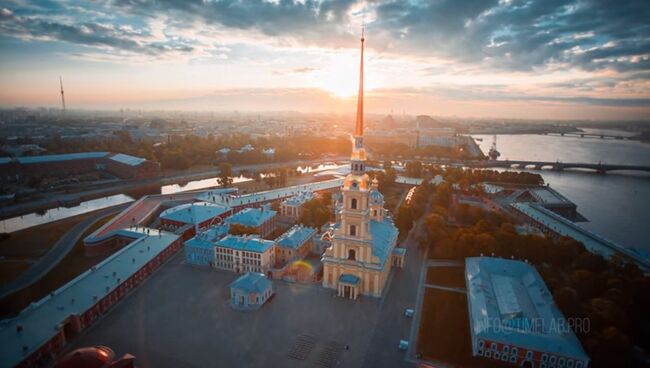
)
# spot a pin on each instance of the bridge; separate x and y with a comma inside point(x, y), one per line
point(599, 167)
point(594, 135)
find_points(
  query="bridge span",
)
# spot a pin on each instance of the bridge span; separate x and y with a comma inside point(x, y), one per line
point(600, 167)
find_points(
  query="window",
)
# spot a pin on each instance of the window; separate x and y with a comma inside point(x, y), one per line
point(353, 203)
point(353, 230)
point(352, 255)
point(514, 355)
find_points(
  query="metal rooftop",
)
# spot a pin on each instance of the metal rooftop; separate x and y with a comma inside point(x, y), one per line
point(194, 213)
point(245, 243)
point(40, 321)
point(251, 282)
point(252, 217)
point(61, 157)
point(509, 303)
point(295, 237)
point(127, 159)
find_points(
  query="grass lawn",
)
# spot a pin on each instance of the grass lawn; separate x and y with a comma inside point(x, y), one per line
point(75, 263)
point(9, 270)
point(446, 276)
point(33, 242)
point(444, 330)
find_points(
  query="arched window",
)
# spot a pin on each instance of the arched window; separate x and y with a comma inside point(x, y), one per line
point(353, 203)
point(353, 230)
point(352, 255)
point(375, 213)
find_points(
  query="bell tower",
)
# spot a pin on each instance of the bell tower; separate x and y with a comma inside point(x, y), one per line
point(356, 212)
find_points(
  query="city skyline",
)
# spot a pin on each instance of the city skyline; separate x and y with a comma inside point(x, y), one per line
point(564, 60)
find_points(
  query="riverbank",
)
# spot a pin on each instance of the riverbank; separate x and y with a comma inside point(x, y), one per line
point(51, 200)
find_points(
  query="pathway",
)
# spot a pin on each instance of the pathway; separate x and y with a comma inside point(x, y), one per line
point(58, 251)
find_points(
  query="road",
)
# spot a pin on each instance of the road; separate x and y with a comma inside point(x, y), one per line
point(58, 251)
point(392, 325)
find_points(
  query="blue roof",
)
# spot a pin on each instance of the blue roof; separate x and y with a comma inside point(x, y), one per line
point(349, 279)
point(127, 159)
point(62, 157)
point(5, 160)
point(384, 236)
point(245, 243)
point(194, 213)
point(40, 321)
point(504, 297)
point(376, 197)
point(295, 237)
point(252, 282)
point(252, 217)
point(299, 199)
point(207, 239)
point(399, 251)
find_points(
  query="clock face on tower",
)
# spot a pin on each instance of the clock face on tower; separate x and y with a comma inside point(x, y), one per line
point(358, 142)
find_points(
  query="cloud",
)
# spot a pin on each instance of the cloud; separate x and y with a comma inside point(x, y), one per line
point(99, 35)
point(519, 35)
point(302, 70)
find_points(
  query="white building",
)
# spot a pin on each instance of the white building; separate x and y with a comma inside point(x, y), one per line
point(244, 254)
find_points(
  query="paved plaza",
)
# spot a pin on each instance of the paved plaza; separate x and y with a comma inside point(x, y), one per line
point(180, 318)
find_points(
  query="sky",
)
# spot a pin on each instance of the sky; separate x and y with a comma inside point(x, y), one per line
point(531, 59)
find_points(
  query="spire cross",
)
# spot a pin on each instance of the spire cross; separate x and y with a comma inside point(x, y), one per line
point(359, 126)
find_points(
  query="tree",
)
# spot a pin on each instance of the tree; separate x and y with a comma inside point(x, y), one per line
point(567, 300)
point(225, 175)
point(237, 229)
point(414, 169)
point(404, 219)
point(314, 213)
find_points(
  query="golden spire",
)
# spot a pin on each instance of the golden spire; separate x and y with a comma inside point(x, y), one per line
point(359, 127)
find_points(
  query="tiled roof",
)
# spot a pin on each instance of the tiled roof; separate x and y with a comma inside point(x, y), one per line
point(252, 282)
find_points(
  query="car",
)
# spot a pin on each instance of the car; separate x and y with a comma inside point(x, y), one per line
point(408, 312)
point(403, 345)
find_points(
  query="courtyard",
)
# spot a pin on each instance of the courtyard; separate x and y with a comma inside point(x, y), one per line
point(180, 317)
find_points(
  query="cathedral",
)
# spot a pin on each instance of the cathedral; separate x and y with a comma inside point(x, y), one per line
point(362, 250)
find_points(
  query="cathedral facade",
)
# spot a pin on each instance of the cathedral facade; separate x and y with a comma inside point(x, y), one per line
point(362, 250)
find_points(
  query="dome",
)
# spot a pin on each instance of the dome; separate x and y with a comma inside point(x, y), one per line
point(88, 357)
point(376, 197)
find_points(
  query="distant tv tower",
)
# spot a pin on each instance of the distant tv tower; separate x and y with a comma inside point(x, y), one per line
point(62, 95)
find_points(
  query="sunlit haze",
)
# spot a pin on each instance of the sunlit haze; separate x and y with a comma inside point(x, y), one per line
point(511, 59)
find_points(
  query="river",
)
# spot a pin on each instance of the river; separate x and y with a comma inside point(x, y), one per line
point(616, 204)
point(33, 219)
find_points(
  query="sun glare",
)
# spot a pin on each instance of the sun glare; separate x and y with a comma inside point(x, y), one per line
point(341, 76)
